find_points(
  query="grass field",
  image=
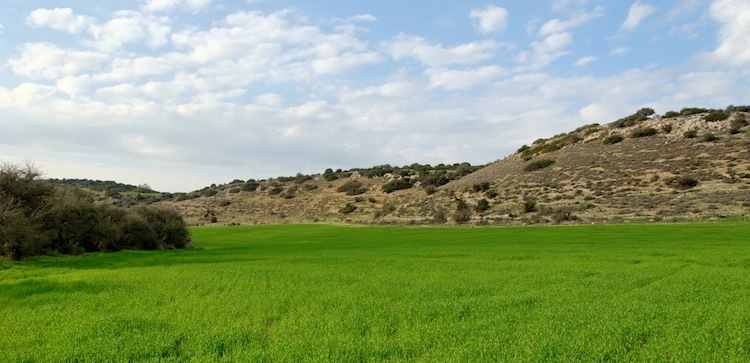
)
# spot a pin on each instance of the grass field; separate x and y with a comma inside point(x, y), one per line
point(299, 293)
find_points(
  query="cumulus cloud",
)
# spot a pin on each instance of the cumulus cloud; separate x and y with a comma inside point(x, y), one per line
point(734, 42)
point(490, 19)
point(546, 51)
point(464, 78)
point(47, 61)
point(158, 6)
point(127, 27)
point(636, 14)
point(436, 55)
point(63, 19)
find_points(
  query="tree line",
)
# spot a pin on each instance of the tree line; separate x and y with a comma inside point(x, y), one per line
point(37, 218)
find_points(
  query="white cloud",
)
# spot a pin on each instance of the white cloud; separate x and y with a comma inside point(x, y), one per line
point(435, 55)
point(363, 17)
point(636, 14)
point(585, 60)
point(47, 61)
point(490, 19)
point(546, 51)
point(734, 39)
point(1, 29)
point(619, 51)
point(577, 19)
point(157, 6)
point(465, 78)
point(683, 8)
point(63, 19)
point(128, 27)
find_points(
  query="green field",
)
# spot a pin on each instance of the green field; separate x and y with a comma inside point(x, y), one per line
point(338, 294)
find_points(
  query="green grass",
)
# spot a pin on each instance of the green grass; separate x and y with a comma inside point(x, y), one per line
point(331, 293)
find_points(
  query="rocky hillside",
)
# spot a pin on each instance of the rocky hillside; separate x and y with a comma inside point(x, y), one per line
point(688, 165)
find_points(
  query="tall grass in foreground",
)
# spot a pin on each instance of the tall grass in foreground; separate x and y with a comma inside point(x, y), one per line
point(331, 293)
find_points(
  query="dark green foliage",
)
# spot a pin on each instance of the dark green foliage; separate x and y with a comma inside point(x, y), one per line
point(301, 178)
point(666, 128)
point(523, 149)
point(529, 205)
point(612, 139)
point(482, 205)
point(348, 208)
point(398, 184)
point(37, 218)
point(716, 115)
point(682, 182)
point(275, 191)
point(690, 134)
point(709, 137)
point(250, 185)
point(480, 187)
point(688, 111)
point(352, 187)
point(631, 120)
point(102, 186)
point(434, 179)
point(671, 114)
point(462, 213)
point(234, 190)
point(210, 193)
point(737, 124)
point(643, 132)
point(538, 164)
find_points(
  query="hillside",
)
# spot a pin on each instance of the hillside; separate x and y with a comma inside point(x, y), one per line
point(688, 165)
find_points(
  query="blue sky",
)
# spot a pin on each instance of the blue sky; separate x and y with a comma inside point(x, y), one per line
point(181, 94)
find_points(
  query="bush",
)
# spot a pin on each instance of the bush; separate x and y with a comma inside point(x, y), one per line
point(351, 187)
point(462, 213)
point(612, 139)
point(682, 182)
point(37, 218)
point(250, 186)
point(666, 128)
point(398, 184)
point(529, 205)
point(643, 132)
point(348, 208)
point(716, 115)
point(709, 137)
point(538, 164)
point(482, 205)
point(671, 114)
point(690, 134)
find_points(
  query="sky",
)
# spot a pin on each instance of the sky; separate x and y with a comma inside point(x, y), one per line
point(181, 94)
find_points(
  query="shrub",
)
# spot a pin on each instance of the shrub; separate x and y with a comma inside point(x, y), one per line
point(538, 164)
point(482, 205)
point(351, 187)
point(398, 184)
point(682, 182)
point(480, 187)
point(348, 208)
point(275, 191)
point(529, 205)
point(643, 132)
point(690, 134)
point(612, 139)
point(671, 114)
point(250, 186)
point(709, 137)
point(692, 111)
point(666, 128)
point(440, 216)
point(225, 203)
point(716, 115)
point(462, 213)
point(209, 193)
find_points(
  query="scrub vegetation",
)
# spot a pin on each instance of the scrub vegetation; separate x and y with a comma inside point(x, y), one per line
point(37, 217)
point(292, 293)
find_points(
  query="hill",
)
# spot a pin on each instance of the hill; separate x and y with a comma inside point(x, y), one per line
point(687, 165)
